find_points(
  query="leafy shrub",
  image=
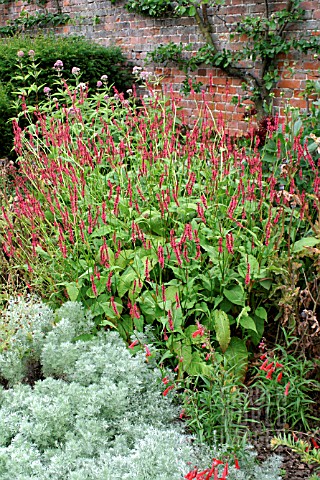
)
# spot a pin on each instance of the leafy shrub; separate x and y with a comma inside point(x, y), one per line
point(106, 418)
point(5, 125)
point(93, 60)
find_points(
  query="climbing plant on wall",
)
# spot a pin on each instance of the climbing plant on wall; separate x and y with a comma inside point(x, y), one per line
point(266, 36)
point(40, 19)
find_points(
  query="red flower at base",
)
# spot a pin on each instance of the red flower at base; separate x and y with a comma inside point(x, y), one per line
point(199, 331)
point(167, 390)
point(286, 391)
point(133, 344)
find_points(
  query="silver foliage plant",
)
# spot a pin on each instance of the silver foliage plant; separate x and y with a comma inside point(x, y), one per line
point(23, 329)
point(99, 414)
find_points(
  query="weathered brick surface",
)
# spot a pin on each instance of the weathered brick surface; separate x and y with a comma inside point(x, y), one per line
point(112, 24)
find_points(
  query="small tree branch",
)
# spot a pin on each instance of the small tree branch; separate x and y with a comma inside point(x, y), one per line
point(205, 17)
point(205, 29)
point(290, 8)
point(266, 2)
point(233, 70)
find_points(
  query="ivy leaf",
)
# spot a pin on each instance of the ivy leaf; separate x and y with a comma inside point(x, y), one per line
point(192, 11)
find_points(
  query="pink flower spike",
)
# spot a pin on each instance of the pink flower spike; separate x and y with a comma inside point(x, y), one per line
point(165, 336)
point(148, 353)
point(200, 331)
point(161, 256)
point(182, 414)
point(133, 344)
point(165, 380)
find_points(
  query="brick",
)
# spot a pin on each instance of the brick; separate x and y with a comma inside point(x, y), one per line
point(289, 83)
point(137, 35)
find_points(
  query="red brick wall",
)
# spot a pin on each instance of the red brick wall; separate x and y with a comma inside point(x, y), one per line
point(112, 24)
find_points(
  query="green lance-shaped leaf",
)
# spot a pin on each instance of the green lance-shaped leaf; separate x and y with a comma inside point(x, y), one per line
point(235, 295)
point(236, 357)
point(222, 328)
point(72, 291)
point(304, 243)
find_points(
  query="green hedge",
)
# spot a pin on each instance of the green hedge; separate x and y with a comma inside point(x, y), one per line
point(5, 126)
point(93, 60)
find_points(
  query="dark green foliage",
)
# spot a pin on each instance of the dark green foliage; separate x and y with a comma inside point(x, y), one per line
point(93, 60)
point(40, 20)
point(5, 126)
point(151, 8)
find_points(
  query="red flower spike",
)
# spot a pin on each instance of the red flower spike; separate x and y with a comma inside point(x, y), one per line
point(265, 363)
point(314, 443)
point(268, 367)
point(269, 374)
point(279, 365)
point(200, 475)
point(236, 463)
point(167, 390)
point(286, 391)
point(225, 471)
point(216, 462)
point(192, 474)
point(279, 377)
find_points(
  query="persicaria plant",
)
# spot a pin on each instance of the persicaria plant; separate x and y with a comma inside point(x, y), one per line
point(148, 222)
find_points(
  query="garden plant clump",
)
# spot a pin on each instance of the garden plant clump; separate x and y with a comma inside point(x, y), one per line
point(176, 236)
point(98, 413)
